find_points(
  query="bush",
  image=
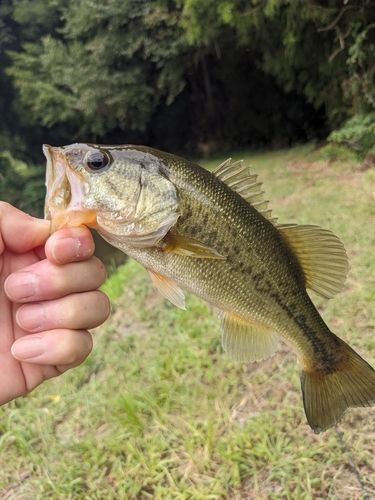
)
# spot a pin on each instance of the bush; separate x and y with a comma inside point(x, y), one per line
point(335, 151)
point(358, 134)
point(22, 185)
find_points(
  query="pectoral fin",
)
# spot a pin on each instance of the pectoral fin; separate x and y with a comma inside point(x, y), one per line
point(168, 289)
point(246, 342)
point(189, 247)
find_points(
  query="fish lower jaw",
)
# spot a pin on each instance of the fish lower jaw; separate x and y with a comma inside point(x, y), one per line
point(73, 218)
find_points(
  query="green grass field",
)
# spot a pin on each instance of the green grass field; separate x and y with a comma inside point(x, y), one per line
point(158, 411)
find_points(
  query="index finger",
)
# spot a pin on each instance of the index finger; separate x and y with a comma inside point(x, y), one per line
point(19, 232)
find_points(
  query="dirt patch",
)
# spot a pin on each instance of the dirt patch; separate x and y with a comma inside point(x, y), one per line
point(346, 174)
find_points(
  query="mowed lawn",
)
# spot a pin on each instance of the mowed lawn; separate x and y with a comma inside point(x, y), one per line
point(158, 411)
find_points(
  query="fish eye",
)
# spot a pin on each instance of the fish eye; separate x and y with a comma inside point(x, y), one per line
point(96, 160)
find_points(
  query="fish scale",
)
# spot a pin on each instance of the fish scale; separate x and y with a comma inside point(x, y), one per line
point(213, 234)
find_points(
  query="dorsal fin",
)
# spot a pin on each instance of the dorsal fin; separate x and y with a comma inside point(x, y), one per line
point(322, 257)
point(238, 178)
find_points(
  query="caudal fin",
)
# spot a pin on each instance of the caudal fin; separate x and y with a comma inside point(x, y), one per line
point(327, 396)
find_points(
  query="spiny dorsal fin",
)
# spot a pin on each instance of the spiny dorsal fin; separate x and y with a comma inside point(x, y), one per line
point(244, 341)
point(238, 178)
point(322, 257)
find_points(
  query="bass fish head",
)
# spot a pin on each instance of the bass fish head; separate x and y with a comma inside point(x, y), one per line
point(122, 191)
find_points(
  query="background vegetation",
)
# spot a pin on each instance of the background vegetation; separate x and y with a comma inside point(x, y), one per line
point(184, 75)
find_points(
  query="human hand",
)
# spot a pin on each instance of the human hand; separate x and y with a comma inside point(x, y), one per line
point(48, 300)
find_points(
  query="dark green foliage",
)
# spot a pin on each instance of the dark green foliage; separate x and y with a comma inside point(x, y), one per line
point(10, 182)
point(358, 134)
point(322, 50)
point(132, 68)
point(188, 76)
point(110, 67)
point(22, 186)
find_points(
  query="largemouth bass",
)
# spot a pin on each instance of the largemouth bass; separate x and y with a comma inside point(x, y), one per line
point(212, 234)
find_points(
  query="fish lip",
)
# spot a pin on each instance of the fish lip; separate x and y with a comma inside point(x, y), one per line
point(49, 178)
point(55, 177)
point(73, 218)
point(63, 213)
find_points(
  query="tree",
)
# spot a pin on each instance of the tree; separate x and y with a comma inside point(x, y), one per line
point(22, 185)
point(179, 73)
point(322, 50)
point(111, 65)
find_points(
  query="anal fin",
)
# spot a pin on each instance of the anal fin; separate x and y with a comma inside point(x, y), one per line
point(168, 288)
point(246, 342)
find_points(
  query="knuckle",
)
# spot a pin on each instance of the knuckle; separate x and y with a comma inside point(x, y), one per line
point(78, 346)
point(100, 270)
point(104, 304)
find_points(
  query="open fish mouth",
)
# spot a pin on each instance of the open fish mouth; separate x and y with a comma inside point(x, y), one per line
point(55, 174)
point(64, 205)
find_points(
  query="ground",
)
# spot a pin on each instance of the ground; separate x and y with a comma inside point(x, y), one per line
point(159, 412)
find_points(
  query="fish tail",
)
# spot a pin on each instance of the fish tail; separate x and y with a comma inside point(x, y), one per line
point(329, 392)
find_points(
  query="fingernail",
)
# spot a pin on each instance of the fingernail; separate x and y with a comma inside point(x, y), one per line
point(28, 347)
point(21, 285)
point(66, 249)
point(31, 317)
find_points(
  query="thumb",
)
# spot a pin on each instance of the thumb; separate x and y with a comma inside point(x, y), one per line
point(20, 232)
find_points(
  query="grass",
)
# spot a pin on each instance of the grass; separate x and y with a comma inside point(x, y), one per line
point(159, 412)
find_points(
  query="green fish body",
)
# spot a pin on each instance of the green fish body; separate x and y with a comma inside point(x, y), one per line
point(211, 233)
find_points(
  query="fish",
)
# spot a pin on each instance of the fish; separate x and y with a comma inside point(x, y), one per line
point(212, 233)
